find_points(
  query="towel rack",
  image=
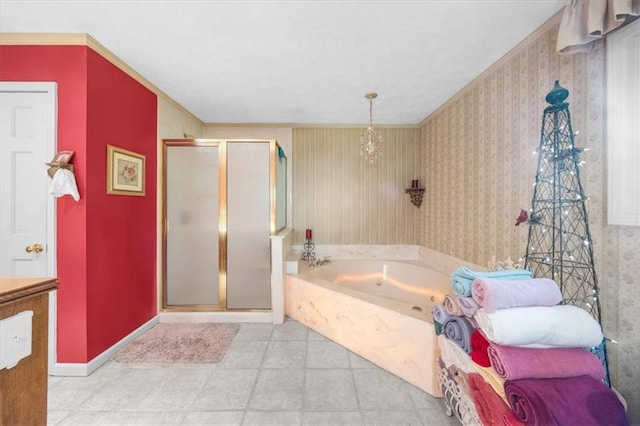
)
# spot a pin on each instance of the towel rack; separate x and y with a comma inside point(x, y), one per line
point(55, 166)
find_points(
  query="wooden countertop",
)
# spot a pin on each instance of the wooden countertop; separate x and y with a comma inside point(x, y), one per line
point(14, 288)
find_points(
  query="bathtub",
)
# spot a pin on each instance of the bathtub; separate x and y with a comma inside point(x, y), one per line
point(382, 310)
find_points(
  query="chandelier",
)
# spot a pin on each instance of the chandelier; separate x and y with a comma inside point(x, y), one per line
point(371, 138)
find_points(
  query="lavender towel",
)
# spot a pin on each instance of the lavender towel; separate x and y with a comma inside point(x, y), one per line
point(459, 330)
point(440, 314)
point(462, 278)
point(493, 294)
point(580, 400)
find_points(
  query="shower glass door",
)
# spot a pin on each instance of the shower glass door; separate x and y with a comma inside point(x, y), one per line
point(250, 211)
point(192, 233)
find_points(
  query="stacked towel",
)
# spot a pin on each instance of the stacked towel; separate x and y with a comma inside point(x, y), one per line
point(580, 400)
point(492, 409)
point(462, 278)
point(467, 305)
point(479, 349)
point(440, 314)
point(450, 304)
point(492, 379)
point(524, 355)
point(511, 362)
point(541, 327)
point(459, 330)
point(452, 354)
point(493, 294)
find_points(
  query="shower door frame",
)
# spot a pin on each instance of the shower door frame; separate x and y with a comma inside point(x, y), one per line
point(222, 219)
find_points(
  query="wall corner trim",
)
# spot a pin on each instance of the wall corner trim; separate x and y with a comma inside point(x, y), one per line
point(85, 369)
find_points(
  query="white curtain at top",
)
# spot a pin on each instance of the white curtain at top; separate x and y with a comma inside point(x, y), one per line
point(585, 22)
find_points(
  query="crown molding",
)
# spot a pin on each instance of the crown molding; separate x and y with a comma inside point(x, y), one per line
point(81, 39)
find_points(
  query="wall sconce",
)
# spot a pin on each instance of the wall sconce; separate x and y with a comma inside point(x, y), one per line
point(415, 193)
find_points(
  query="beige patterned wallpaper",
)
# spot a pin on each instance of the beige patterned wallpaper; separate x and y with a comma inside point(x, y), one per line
point(344, 199)
point(478, 163)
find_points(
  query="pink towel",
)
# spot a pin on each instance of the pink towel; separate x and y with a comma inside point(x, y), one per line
point(491, 409)
point(512, 362)
point(494, 294)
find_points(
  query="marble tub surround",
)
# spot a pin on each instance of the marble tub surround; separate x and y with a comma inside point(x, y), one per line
point(401, 344)
point(389, 333)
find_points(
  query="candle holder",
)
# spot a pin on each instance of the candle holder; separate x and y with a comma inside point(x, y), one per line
point(308, 254)
point(416, 195)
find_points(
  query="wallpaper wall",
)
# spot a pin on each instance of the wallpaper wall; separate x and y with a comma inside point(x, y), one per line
point(344, 199)
point(478, 163)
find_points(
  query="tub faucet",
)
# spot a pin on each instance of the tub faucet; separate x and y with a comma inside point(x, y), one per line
point(323, 261)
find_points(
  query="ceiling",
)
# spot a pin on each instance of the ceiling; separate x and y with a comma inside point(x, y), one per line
point(296, 62)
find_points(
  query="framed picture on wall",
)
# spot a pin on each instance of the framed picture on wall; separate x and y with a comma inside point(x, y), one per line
point(125, 172)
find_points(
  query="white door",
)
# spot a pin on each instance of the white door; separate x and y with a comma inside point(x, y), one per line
point(27, 215)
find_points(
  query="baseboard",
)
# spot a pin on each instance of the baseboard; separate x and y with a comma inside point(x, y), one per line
point(80, 369)
point(225, 316)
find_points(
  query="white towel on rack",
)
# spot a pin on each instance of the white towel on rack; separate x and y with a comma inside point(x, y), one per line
point(453, 354)
point(541, 327)
point(64, 183)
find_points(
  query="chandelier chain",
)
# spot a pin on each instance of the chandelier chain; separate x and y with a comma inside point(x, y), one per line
point(371, 138)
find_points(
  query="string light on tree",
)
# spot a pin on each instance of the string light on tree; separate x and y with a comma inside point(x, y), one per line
point(559, 244)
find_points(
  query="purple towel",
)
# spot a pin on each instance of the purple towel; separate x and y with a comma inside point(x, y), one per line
point(459, 330)
point(580, 400)
point(440, 314)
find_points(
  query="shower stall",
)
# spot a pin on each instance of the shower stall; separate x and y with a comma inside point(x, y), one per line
point(222, 201)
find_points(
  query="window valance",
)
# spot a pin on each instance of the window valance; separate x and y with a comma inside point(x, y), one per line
point(585, 22)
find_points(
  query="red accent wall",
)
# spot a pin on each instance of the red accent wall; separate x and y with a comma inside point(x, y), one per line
point(121, 229)
point(106, 243)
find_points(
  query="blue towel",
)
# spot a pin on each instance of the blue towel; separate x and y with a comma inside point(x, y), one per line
point(462, 278)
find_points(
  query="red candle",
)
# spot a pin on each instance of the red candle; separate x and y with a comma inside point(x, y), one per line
point(309, 234)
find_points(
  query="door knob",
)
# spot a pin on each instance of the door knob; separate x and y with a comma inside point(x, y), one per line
point(36, 248)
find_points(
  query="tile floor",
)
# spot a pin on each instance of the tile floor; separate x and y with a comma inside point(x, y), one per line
point(271, 375)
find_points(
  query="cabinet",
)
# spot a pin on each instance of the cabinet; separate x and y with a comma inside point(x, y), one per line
point(23, 388)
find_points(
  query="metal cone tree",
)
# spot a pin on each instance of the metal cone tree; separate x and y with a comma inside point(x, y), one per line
point(559, 243)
